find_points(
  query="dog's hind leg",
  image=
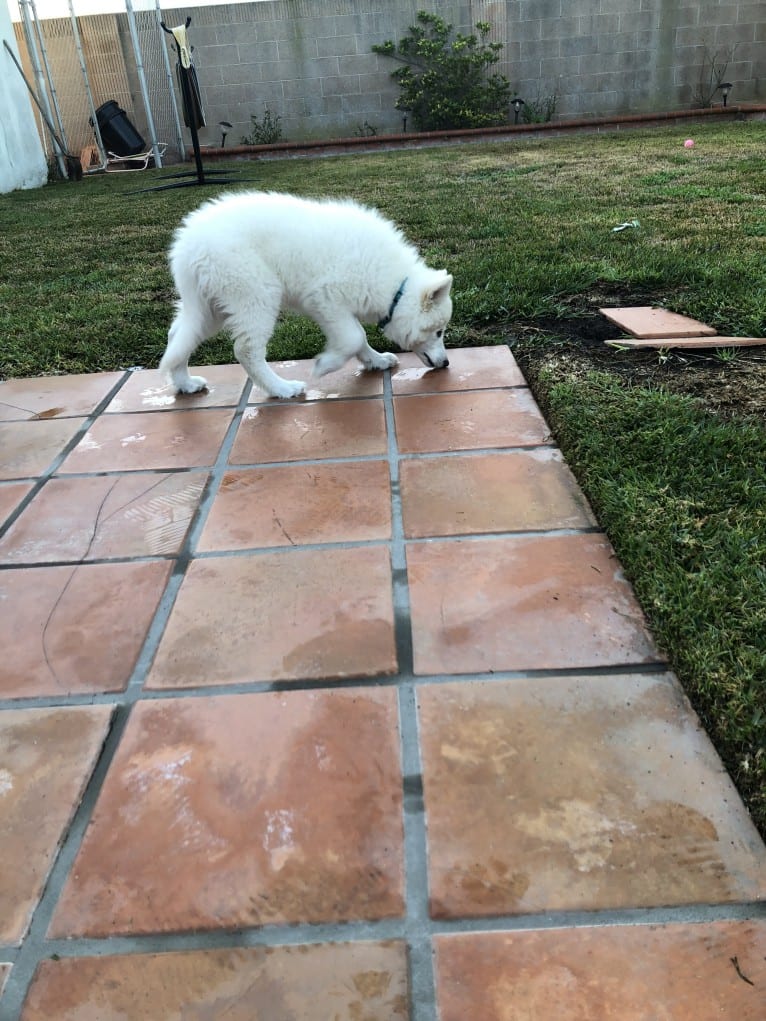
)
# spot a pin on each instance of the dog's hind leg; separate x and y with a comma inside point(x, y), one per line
point(193, 323)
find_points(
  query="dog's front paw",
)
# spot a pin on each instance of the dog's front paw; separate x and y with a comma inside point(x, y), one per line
point(288, 388)
point(387, 360)
point(192, 385)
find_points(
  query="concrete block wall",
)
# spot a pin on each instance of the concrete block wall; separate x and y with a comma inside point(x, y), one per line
point(310, 61)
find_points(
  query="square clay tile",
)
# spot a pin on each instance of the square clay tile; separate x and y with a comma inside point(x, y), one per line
point(105, 516)
point(584, 793)
point(29, 448)
point(46, 758)
point(646, 321)
point(177, 439)
point(43, 397)
point(299, 504)
point(631, 972)
point(469, 421)
point(150, 390)
point(470, 368)
point(350, 381)
point(244, 810)
point(526, 603)
point(339, 981)
point(306, 432)
point(68, 630)
point(520, 491)
point(11, 495)
point(289, 615)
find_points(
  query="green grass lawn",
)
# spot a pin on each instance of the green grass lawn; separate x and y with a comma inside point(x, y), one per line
point(526, 228)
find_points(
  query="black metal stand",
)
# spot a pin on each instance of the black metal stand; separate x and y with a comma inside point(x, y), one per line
point(194, 119)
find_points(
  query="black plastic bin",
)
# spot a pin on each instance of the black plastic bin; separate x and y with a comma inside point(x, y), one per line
point(118, 134)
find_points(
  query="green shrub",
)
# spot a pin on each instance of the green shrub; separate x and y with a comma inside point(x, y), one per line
point(264, 132)
point(445, 80)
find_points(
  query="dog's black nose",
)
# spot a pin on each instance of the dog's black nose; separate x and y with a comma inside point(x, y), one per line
point(446, 363)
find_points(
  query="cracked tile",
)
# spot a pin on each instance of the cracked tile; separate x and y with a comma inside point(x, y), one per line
point(300, 504)
point(83, 626)
point(207, 818)
point(106, 516)
point(46, 758)
point(46, 397)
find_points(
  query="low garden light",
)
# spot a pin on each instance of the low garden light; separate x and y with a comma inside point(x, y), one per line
point(725, 87)
point(517, 102)
point(224, 126)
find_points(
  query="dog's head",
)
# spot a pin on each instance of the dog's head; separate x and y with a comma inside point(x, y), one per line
point(420, 322)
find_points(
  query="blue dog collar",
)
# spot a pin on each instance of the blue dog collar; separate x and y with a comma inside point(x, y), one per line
point(384, 322)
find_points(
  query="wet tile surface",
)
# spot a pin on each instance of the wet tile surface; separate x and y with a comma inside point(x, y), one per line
point(577, 793)
point(280, 616)
point(300, 504)
point(177, 439)
point(525, 603)
point(207, 817)
point(30, 448)
point(46, 397)
point(149, 390)
point(395, 686)
point(469, 421)
point(673, 973)
point(350, 381)
point(105, 516)
point(83, 627)
point(469, 369)
point(343, 981)
point(11, 496)
point(301, 432)
point(46, 757)
point(475, 493)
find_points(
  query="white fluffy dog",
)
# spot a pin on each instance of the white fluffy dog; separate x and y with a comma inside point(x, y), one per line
point(238, 260)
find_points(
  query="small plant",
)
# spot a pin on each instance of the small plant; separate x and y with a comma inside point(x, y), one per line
point(445, 81)
point(366, 130)
point(264, 132)
point(712, 73)
point(540, 110)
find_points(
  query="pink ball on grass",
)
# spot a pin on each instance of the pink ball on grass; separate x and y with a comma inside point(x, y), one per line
point(689, 143)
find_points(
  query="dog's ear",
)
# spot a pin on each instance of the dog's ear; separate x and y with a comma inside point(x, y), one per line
point(434, 293)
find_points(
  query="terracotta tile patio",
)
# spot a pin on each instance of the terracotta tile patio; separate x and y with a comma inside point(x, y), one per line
point(343, 710)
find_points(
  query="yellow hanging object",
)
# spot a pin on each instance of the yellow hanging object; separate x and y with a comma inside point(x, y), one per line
point(184, 53)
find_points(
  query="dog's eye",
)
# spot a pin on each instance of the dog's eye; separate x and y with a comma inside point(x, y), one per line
point(440, 334)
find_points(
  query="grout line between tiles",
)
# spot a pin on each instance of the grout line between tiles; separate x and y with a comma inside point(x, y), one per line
point(420, 954)
point(377, 681)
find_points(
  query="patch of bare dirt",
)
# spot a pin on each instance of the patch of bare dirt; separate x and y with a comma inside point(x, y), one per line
point(731, 382)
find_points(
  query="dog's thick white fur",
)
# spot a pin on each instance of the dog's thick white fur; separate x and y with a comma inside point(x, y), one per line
point(238, 260)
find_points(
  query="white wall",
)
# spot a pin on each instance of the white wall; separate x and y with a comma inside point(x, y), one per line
point(22, 161)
